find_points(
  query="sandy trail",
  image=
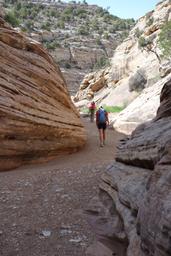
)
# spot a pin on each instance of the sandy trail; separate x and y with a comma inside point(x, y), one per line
point(41, 205)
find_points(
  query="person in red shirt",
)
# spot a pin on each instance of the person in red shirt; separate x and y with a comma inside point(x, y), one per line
point(102, 121)
point(92, 109)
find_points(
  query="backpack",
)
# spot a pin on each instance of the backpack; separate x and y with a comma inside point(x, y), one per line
point(101, 116)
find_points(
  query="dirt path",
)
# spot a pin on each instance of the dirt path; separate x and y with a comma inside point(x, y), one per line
point(41, 205)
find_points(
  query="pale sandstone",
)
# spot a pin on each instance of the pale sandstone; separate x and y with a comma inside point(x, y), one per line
point(128, 60)
point(142, 109)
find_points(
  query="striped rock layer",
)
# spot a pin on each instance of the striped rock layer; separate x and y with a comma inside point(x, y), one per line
point(37, 118)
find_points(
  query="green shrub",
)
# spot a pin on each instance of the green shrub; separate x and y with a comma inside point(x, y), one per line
point(84, 2)
point(108, 17)
point(138, 32)
point(52, 45)
point(67, 65)
point(102, 62)
point(98, 41)
point(84, 110)
point(113, 29)
point(124, 34)
point(46, 26)
point(149, 15)
point(61, 24)
point(66, 44)
point(83, 30)
point(23, 12)
point(147, 45)
point(150, 21)
point(53, 13)
point(18, 6)
point(99, 11)
point(165, 39)
point(95, 24)
point(12, 19)
point(24, 29)
point(79, 12)
point(106, 36)
point(33, 15)
point(66, 17)
point(29, 24)
point(142, 42)
point(113, 109)
point(68, 10)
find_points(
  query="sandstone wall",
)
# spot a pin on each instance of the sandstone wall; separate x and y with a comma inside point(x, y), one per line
point(132, 71)
point(132, 215)
point(38, 119)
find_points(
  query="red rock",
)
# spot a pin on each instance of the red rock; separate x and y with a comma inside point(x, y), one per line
point(38, 118)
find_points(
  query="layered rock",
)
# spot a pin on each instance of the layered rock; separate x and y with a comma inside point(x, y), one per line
point(81, 55)
point(133, 209)
point(38, 119)
point(78, 36)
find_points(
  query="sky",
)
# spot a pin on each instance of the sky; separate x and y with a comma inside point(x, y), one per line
point(126, 8)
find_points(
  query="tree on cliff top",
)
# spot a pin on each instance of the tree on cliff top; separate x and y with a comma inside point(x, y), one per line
point(148, 45)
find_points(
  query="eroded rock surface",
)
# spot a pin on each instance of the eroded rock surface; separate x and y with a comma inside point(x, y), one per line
point(133, 80)
point(133, 209)
point(38, 119)
point(130, 63)
point(143, 108)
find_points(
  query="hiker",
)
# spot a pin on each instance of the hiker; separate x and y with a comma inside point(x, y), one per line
point(92, 109)
point(102, 121)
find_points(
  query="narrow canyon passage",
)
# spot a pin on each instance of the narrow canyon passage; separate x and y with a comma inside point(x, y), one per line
point(41, 205)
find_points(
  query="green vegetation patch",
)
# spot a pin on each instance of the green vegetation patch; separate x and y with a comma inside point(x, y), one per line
point(84, 110)
point(109, 109)
point(11, 18)
point(76, 13)
point(113, 109)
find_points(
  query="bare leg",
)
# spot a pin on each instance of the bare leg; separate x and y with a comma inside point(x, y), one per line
point(104, 137)
point(101, 137)
point(92, 115)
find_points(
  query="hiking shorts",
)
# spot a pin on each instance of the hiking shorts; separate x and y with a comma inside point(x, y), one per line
point(101, 126)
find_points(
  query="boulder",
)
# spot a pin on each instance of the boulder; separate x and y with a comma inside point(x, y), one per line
point(137, 81)
point(47, 36)
point(97, 85)
point(38, 119)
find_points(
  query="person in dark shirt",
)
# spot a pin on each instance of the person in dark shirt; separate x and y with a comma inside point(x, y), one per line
point(102, 121)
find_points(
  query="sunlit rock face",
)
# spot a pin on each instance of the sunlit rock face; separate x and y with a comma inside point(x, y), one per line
point(132, 214)
point(131, 64)
point(133, 79)
point(38, 119)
